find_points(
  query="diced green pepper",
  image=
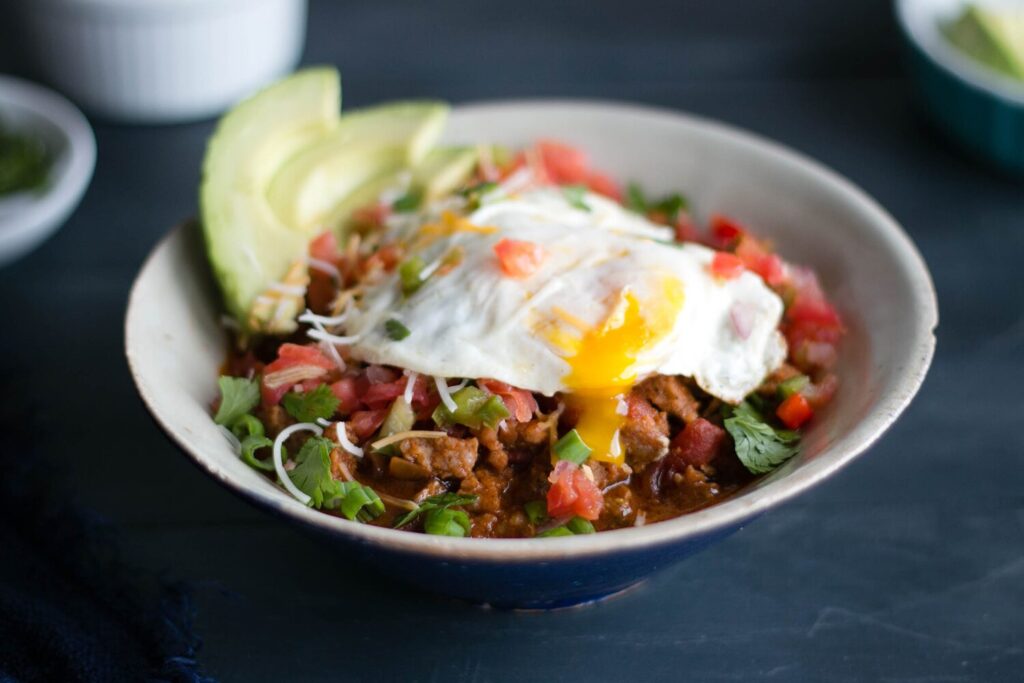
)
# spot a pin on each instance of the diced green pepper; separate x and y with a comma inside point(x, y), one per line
point(474, 408)
point(793, 385)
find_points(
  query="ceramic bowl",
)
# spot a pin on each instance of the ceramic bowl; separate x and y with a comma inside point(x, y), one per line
point(28, 218)
point(977, 106)
point(175, 346)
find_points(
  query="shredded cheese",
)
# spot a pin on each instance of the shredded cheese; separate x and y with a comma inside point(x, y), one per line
point(286, 481)
point(330, 320)
point(320, 334)
point(402, 436)
point(292, 290)
point(410, 385)
point(446, 398)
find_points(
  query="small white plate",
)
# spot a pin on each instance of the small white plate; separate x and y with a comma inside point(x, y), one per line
point(28, 218)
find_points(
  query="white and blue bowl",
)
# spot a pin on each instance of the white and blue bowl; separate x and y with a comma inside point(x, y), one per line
point(175, 345)
point(977, 106)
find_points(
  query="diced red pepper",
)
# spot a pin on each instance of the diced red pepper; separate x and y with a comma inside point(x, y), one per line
point(726, 266)
point(697, 444)
point(794, 411)
point(572, 493)
point(517, 258)
point(520, 403)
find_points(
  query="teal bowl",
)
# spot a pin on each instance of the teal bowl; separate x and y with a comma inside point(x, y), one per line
point(977, 106)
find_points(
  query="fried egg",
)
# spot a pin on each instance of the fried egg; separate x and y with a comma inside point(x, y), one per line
point(613, 301)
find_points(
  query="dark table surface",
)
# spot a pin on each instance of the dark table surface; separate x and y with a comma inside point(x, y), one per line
point(907, 566)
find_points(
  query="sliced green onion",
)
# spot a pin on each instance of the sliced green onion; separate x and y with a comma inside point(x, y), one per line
point(536, 511)
point(357, 501)
point(409, 274)
point(575, 194)
point(473, 408)
point(793, 385)
point(578, 525)
point(446, 522)
point(571, 447)
point(408, 202)
point(396, 330)
point(557, 531)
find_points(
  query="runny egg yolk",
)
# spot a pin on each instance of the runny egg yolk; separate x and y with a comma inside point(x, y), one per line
point(602, 364)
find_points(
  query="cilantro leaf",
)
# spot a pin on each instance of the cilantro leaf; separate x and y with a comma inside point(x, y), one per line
point(312, 476)
point(759, 446)
point(308, 406)
point(441, 501)
point(635, 199)
point(575, 194)
point(670, 206)
point(395, 330)
point(238, 396)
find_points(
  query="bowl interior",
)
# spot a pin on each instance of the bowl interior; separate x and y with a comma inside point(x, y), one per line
point(175, 342)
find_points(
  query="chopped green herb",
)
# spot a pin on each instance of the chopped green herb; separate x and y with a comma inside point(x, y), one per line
point(24, 162)
point(759, 446)
point(635, 199)
point(446, 522)
point(474, 408)
point(237, 397)
point(576, 526)
point(308, 406)
point(536, 511)
point(793, 385)
point(575, 195)
point(442, 501)
point(396, 330)
point(250, 445)
point(669, 206)
point(572, 448)
point(312, 475)
point(479, 189)
point(408, 202)
point(409, 275)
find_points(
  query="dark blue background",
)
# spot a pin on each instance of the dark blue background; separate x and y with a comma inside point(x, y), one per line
point(907, 566)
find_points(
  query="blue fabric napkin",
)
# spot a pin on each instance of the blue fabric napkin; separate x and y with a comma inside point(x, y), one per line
point(72, 608)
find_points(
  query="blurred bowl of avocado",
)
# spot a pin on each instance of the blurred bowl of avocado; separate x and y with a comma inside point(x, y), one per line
point(47, 155)
point(967, 59)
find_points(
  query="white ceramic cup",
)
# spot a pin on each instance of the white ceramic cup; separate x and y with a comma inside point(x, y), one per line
point(162, 61)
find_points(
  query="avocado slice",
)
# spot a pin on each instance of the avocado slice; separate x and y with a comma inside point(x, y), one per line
point(443, 171)
point(280, 167)
point(248, 246)
point(366, 144)
point(992, 37)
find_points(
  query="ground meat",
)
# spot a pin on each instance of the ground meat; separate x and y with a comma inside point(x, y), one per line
point(489, 486)
point(521, 441)
point(644, 435)
point(669, 394)
point(607, 474)
point(698, 444)
point(444, 457)
point(343, 464)
point(497, 457)
point(275, 419)
point(618, 508)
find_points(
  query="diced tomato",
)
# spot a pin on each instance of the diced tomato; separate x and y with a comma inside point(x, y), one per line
point(365, 422)
point(572, 493)
point(794, 411)
point(321, 291)
point(686, 231)
point(565, 165)
point(603, 184)
point(758, 258)
point(520, 403)
point(291, 357)
point(381, 395)
point(324, 247)
point(372, 215)
point(810, 318)
point(517, 258)
point(697, 444)
point(725, 231)
point(726, 266)
point(346, 392)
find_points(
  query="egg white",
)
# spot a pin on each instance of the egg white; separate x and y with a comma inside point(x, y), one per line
point(476, 322)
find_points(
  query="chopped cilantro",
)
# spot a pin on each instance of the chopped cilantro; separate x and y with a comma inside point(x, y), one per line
point(312, 476)
point(396, 330)
point(238, 396)
point(759, 446)
point(409, 275)
point(442, 501)
point(575, 195)
point(635, 199)
point(307, 407)
point(669, 206)
point(408, 202)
